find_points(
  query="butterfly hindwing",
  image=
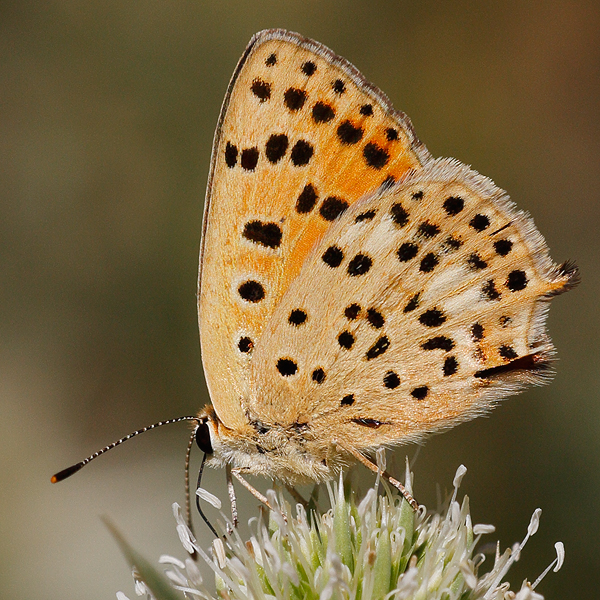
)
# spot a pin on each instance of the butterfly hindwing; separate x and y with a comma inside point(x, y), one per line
point(422, 305)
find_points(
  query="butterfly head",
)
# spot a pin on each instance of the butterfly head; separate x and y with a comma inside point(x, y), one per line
point(287, 452)
point(202, 435)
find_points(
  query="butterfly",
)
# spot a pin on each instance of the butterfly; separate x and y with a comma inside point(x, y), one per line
point(354, 292)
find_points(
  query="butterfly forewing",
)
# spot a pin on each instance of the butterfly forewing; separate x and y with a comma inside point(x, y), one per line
point(302, 136)
point(422, 305)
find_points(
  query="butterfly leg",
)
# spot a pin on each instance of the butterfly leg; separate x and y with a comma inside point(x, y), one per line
point(296, 495)
point(373, 467)
point(232, 498)
point(260, 497)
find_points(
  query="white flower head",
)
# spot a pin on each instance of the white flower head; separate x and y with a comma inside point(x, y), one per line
point(374, 548)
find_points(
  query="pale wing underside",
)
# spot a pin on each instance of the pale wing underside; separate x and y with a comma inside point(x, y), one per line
point(301, 137)
point(423, 304)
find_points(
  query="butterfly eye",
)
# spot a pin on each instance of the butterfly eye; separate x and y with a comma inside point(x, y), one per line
point(203, 438)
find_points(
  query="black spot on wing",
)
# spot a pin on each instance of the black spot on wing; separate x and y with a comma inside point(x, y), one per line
point(294, 99)
point(428, 230)
point(287, 367)
point(372, 423)
point(332, 208)
point(366, 216)
point(338, 86)
point(450, 366)
point(251, 291)
point(348, 133)
point(333, 257)
point(507, 352)
point(249, 159)
point(477, 331)
point(297, 317)
point(309, 68)
point(516, 281)
point(453, 205)
point(480, 222)
point(264, 234)
point(534, 363)
point(399, 215)
point(306, 200)
point(261, 89)
point(420, 393)
point(475, 262)
point(391, 380)
point(322, 112)
point(428, 263)
point(276, 147)
point(407, 251)
point(346, 340)
point(378, 348)
point(359, 265)
point(451, 244)
point(489, 291)
point(318, 375)
point(231, 154)
point(412, 304)
point(352, 311)
point(439, 342)
point(375, 156)
point(391, 134)
point(503, 247)
point(245, 345)
point(375, 318)
point(301, 153)
point(432, 318)
point(347, 400)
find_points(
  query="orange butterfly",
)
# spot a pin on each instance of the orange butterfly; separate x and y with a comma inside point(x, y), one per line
point(354, 292)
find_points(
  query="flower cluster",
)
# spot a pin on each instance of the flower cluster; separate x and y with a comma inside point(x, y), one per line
point(375, 548)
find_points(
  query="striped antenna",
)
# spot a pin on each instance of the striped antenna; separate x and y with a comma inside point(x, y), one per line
point(61, 475)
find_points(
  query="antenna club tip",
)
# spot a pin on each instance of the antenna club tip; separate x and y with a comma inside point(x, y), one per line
point(61, 475)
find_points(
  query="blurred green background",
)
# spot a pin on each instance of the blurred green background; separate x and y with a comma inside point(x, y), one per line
point(107, 111)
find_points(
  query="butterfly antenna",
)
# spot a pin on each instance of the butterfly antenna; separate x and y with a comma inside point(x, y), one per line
point(204, 517)
point(61, 475)
point(188, 511)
